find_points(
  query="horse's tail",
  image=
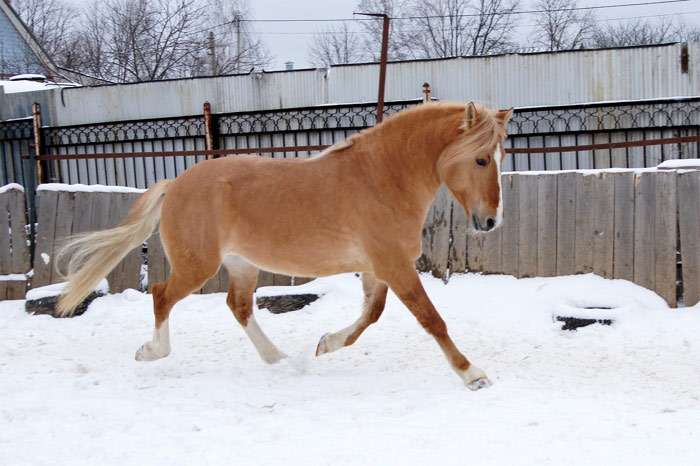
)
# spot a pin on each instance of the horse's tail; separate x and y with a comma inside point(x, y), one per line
point(94, 255)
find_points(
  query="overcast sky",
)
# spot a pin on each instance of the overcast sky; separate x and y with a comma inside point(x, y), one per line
point(289, 41)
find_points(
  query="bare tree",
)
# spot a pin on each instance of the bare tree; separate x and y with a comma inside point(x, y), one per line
point(399, 47)
point(234, 48)
point(638, 33)
point(443, 28)
point(51, 22)
point(336, 45)
point(448, 28)
point(560, 26)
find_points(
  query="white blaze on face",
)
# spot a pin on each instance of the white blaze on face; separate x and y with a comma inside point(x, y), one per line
point(499, 211)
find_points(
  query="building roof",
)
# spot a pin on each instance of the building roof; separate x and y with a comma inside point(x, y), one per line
point(19, 44)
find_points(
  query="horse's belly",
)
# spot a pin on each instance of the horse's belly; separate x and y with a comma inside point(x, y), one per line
point(300, 260)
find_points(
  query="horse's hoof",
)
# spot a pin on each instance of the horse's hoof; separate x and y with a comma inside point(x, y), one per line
point(478, 384)
point(323, 346)
point(274, 358)
point(145, 353)
point(474, 378)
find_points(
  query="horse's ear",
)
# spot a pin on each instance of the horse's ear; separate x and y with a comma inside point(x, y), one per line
point(504, 116)
point(471, 115)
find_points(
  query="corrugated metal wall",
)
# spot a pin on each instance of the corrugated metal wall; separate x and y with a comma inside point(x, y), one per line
point(508, 80)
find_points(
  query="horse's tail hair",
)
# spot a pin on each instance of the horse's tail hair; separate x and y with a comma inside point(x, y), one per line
point(94, 255)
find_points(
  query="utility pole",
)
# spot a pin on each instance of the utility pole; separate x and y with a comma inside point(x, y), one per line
point(382, 61)
point(239, 45)
point(212, 54)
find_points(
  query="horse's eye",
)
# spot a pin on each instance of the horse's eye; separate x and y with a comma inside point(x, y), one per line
point(482, 162)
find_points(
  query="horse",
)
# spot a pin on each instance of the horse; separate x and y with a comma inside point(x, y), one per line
point(359, 206)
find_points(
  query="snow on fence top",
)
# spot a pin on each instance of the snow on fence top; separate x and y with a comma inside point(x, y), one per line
point(92, 188)
point(679, 163)
point(11, 187)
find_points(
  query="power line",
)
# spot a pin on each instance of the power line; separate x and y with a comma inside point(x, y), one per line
point(622, 18)
point(470, 15)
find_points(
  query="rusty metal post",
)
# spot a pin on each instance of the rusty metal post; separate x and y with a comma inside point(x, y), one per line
point(426, 92)
point(382, 61)
point(208, 128)
point(36, 115)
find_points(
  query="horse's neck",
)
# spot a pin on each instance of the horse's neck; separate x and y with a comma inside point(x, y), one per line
point(408, 148)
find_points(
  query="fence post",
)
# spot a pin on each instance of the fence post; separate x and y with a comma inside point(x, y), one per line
point(209, 139)
point(38, 169)
point(426, 92)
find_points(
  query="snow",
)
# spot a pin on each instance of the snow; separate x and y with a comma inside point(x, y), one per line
point(12, 87)
point(626, 394)
point(11, 187)
point(91, 188)
point(679, 163)
point(13, 277)
point(56, 288)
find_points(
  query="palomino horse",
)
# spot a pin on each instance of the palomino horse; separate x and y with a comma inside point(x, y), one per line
point(357, 207)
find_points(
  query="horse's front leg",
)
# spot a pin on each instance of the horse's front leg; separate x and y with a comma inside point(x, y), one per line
point(406, 284)
point(374, 301)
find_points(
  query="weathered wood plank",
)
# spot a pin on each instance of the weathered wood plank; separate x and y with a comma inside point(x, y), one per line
point(566, 223)
point(5, 236)
point(511, 224)
point(623, 244)
point(689, 223)
point(127, 273)
point(265, 278)
point(584, 219)
point(527, 236)
point(459, 232)
point(436, 236)
point(12, 289)
point(644, 230)
point(18, 223)
point(65, 212)
point(547, 225)
point(158, 267)
point(602, 224)
point(491, 255)
point(665, 236)
point(475, 252)
point(46, 202)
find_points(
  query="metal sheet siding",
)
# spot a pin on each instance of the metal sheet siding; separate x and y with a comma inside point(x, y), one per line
point(530, 79)
point(509, 80)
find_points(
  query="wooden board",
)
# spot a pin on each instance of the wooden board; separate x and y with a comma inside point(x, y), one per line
point(458, 246)
point(511, 224)
point(566, 223)
point(623, 243)
point(689, 223)
point(46, 202)
point(665, 237)
point(527, 234)
point(436, 236)
point(583, 254)
point(18, 229)
point(12, 289)
point(602, 226)
point(5, 235)
point(547, 225)
point(644, 230)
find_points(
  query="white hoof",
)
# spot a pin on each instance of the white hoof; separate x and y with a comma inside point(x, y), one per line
point(273, 357)
point(330, 342)
point(148, 353)
point(475, 379)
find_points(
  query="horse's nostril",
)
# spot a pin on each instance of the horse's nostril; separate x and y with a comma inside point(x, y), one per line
point(490, 223)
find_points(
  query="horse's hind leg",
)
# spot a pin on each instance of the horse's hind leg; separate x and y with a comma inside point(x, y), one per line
point(373, 306)
point(243, 277)
point(165, 296)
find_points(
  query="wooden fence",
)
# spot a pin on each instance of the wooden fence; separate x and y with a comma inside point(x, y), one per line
point(14, 250)
point(615, 224)
point(63, 213)
point(622, 224)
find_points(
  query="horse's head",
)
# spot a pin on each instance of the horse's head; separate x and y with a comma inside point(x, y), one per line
point(470, 165)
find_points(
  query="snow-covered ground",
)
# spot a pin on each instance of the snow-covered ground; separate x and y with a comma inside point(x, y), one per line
point(71, 392)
